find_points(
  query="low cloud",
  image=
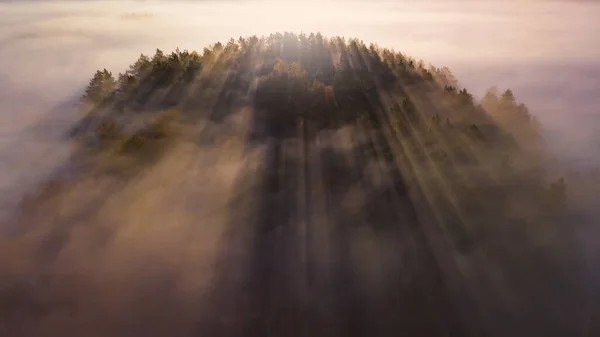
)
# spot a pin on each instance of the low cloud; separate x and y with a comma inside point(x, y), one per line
point(136, 254)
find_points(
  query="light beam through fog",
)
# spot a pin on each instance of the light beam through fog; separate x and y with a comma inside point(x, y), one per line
point(50, 49)
point(184, 226)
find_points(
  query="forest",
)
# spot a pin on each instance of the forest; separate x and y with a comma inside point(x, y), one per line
point(383, 190)
point(483, 156)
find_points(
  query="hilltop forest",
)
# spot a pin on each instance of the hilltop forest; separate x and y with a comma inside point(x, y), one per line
point(479, 159)
point(372, 195)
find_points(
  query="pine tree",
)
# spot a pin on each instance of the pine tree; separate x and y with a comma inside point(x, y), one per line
point(101, 86)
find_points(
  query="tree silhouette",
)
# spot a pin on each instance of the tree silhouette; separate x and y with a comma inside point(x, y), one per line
point(101, 87)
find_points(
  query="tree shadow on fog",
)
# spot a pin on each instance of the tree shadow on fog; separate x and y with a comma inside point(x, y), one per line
point(379, 274)
point(410, 297)
point(274, 283)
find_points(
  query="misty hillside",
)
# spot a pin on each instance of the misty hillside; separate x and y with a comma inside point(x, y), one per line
point(297, 185)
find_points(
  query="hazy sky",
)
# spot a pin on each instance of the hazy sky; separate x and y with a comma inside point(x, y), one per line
point(547, 51)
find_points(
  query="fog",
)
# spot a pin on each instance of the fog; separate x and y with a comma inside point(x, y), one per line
point(547, 52)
